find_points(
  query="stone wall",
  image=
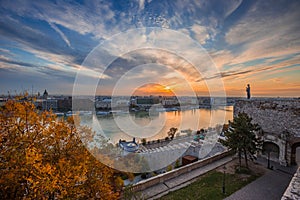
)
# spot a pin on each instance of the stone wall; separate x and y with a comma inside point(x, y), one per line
point(144, 184)
point(275, 116)
point(279, 119)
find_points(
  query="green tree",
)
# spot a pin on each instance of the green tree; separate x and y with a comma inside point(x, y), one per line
point(171, 132)
point(42, 157)
point(143, 141)
point(241, 137)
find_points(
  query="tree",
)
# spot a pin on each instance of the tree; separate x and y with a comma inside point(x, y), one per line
point(42, 157)
point(171, 132)
point(241, 137)
point(143, 141)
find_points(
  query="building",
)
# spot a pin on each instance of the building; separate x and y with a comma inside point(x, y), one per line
point(104, 104)
point(64, 104)
point(147, 101)
point(169, 101)
point(49, 104)
point(2, 101)
point(45, 95)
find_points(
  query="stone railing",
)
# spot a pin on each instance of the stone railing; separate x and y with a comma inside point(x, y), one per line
point(293, 190)
point(142, 185)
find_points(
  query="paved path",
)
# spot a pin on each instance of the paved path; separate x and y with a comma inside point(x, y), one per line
point(181, 181)
point(270, 186)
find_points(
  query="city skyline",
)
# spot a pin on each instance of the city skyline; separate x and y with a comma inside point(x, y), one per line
point(44, 43)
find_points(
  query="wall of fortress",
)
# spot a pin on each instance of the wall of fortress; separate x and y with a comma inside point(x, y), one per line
point(279, 119)
point(274, 115)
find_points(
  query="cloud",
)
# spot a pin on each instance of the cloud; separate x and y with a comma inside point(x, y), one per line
point(5, 51)
point(28, 79)
point(30, 39)
point(221, 57)
point(45, 70)
point(41, 45)
point(141, 4)
point(266, 67)
point(6, 60)
point(90, 17)
point(201, 33)
point(63, 36)
point(265, 31)
point(244, 41)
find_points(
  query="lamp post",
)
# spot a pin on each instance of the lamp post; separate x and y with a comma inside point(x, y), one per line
point(223, 187)
point(269, 159)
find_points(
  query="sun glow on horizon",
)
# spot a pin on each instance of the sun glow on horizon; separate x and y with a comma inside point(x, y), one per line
point(154, 89)
point(167, 88)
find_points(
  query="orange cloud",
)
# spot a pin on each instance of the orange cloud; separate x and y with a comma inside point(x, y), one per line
point(154, 89)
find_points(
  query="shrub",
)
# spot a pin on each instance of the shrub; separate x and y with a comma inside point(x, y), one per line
point(130, 176)
point(169, 168)
point(119, 182)
point(177, 163)
point(144, 176)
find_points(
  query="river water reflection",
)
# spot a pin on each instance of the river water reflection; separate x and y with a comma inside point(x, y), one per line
point(156, 125)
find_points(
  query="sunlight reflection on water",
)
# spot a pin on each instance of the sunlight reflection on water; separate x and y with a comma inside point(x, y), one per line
point(183, 120)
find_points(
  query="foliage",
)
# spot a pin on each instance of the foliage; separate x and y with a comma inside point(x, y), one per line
point(128, 193)
point(201, 131)
point(177, 163)
point(169, 168)
point(143, 141)
point(130, 176)
point(143, 175)
point(42, 157)
point(171, 132)
point(119, 182)
point(243, 170)
point(241, 137)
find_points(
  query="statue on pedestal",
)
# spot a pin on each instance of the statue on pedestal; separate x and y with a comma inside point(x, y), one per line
point(248, 91)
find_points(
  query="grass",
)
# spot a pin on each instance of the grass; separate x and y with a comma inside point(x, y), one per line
point(210, 185)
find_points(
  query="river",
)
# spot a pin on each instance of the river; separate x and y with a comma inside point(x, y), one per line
point(156, 125)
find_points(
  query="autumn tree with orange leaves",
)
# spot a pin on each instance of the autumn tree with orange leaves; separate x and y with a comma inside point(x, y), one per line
point(42, 157)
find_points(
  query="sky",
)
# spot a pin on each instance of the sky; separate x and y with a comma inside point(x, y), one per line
point(154, 47)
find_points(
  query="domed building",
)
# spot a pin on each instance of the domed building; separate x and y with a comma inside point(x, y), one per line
point(45, 95)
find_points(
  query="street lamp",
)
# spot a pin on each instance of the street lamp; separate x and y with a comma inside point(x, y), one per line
point(223, 188)
point(269, 151)
point(269, 167)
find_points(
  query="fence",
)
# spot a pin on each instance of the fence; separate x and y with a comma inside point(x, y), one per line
point(142, 185)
